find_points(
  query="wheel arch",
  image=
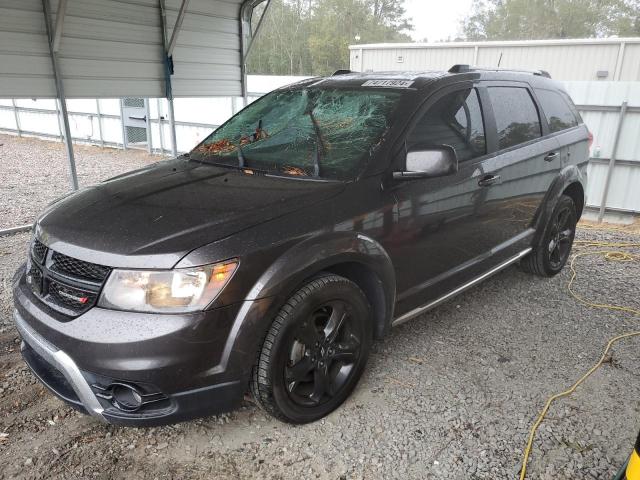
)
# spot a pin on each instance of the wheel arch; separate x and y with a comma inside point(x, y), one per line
point(569, 181)
point(372, 286)
point(354, 256)
point(575, 190)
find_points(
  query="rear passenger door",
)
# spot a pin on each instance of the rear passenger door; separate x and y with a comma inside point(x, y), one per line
point(526, 162)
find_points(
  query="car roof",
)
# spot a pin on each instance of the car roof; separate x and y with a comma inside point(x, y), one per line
point(418, 80)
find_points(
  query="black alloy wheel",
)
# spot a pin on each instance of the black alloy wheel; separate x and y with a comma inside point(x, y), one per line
point(552, 251)
point(323, 352)
point(315, 351)
point(561, 237)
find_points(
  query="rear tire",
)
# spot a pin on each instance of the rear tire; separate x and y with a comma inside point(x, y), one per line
point(315, 351)
point(551, 253)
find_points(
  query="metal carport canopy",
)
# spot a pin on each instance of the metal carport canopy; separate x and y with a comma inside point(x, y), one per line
point(123, 48)
point(117, 48)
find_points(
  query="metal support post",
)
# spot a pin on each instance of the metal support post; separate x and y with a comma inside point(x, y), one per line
point(160, 126)
point(612, 162)
point(172, 128)
point(148, 121)
point(99, 123)
point(124, 128)
point(61, 97)
point(16, 116)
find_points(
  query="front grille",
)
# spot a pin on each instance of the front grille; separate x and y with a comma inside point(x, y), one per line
point(64, 283)
point(34, 278)
point(77, 268)
point(72, 298)
point(38, 250)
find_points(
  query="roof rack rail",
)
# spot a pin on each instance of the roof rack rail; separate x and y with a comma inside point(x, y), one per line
point(341, 72)
point(460, 68)
point(463, 68)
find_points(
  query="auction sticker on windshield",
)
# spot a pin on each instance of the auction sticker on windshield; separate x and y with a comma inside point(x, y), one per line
point(388, 83)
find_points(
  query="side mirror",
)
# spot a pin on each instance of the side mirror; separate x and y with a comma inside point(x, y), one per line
point(431, 162)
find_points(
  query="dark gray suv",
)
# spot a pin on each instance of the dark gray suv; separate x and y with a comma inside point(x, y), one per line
point(271, 256)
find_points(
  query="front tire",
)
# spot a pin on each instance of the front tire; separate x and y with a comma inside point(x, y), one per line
point(315, 351)
point(551, 253)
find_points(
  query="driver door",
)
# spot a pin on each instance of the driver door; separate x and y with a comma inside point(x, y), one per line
point(445, 224)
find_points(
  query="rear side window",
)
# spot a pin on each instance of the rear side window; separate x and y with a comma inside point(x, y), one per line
point(516, 115)
point(557, 110)
point(454, 120)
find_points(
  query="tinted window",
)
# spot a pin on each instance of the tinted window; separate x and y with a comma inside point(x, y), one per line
point(455, 120)
point(559, 115)
point(516, 115)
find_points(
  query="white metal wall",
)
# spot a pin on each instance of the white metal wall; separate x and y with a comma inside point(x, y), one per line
point(599, 103)
point(564, 59)
point(113, 48)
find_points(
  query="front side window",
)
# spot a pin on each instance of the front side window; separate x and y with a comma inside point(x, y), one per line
point(454, 120)
point(516, 115)
point(314, 132)
point(559, 115)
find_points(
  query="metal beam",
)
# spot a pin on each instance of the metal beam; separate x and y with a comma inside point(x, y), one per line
point(168, 71)
point(255, 32)
point(61, 97)
point(12, 230)
point(612, 162)
point(246, 39)
point(177, 27)
point(172, 129)
point(57, 33)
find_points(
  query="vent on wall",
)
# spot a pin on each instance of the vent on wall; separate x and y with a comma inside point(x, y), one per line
point(399, 59)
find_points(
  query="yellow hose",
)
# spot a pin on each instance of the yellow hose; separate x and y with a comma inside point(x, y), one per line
point(611, 255)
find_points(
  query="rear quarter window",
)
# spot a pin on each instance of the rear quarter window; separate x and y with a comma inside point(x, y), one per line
point(557, 109)
point(516, 115)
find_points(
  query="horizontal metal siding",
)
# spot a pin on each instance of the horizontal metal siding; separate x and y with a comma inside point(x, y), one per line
point(24, 52)
point(113, 48)
point(207, 54)
point(623, 190)
point(564, 59)
point(123, 54)
point(563, 62)
point(414, 59)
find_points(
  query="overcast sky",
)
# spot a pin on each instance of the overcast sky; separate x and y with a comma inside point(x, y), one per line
point(436, 19)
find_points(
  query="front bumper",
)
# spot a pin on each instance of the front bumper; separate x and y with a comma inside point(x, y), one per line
point(187, 366)
point(60, 361)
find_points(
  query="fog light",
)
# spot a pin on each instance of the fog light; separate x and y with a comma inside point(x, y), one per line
point(126, 398)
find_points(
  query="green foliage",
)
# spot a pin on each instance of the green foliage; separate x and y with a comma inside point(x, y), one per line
point(311, 37)
point(543, 19)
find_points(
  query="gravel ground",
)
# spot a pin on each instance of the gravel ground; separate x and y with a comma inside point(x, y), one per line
point(450, 395)
point(36, 172)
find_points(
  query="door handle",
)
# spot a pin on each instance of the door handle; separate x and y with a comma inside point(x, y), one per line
point(488, 180)
point(144, 119)
point(550, 157)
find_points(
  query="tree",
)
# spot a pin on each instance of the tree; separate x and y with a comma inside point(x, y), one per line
point(540, 19)
point(311, 37)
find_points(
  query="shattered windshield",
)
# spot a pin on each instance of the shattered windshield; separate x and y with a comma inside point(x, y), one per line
point(323, 133)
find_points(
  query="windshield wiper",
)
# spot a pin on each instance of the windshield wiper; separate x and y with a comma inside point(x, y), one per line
point(320, 148)
point(241, 161)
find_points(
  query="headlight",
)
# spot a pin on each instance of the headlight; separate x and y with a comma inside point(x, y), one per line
point(168, 291)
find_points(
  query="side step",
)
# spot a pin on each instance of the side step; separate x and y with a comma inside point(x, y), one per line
point(419, 310)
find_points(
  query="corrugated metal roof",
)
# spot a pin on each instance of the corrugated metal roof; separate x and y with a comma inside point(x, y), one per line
point(114, 48)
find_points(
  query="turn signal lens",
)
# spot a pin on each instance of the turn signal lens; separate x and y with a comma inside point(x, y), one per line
point(166, 291)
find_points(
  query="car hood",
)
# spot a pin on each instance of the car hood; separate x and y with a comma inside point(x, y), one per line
point(152, 217)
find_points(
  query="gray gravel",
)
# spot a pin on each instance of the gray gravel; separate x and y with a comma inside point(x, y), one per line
point(449, 395)
point(36, 172)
